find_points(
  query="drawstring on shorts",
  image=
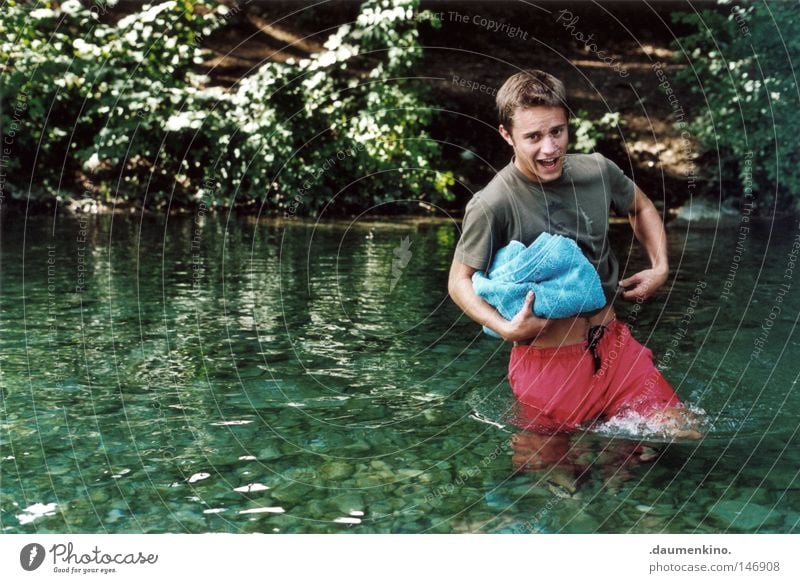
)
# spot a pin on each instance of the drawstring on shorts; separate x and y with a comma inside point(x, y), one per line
point(595, 334)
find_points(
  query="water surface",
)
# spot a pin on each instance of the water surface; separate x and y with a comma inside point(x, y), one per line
point(220, 374)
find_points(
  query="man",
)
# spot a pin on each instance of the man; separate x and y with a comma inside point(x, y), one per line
point(566, 372)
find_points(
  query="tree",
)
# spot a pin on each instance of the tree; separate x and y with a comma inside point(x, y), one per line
point(742, 62)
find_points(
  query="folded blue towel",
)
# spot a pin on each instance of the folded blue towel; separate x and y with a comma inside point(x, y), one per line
point(553, 267)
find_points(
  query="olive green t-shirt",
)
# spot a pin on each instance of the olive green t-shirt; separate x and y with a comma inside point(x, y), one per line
point(575, 205)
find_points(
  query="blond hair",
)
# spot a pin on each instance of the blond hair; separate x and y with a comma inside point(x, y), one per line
point(528, 89)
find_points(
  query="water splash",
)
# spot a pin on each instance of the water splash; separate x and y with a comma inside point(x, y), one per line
point(655, 427)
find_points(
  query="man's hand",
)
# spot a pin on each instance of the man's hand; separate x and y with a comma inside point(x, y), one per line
point(643, 284)
point(525, 324)
point(522, 327)
point(649, 230)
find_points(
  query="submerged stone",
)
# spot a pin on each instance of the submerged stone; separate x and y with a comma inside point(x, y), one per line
point(336, 470)
point(349, 503)
point(269, 453)
point(743, 515)
point(293, 493)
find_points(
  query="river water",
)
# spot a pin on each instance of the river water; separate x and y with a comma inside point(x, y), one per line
point(219, 374)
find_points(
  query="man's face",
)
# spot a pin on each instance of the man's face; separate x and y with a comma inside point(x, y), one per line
point(539, 138)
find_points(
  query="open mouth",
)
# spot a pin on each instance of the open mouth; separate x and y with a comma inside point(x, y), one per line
point(548, 163)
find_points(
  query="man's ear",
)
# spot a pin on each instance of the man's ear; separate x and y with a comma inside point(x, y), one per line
point(506, 135)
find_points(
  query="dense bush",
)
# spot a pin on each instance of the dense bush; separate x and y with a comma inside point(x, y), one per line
point(586, 133)
point(116, 111)
point(742, 61)
point(349, 127)
point(97, 97)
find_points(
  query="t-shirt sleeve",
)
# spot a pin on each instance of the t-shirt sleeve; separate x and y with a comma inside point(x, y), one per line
point(622, 189)
point(480, 235)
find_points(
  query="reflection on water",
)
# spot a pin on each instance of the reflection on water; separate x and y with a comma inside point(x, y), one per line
point(213, 374)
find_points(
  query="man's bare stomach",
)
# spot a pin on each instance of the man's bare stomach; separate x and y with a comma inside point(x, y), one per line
point(566, 331)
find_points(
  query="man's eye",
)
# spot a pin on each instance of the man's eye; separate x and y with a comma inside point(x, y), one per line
point(557, 132)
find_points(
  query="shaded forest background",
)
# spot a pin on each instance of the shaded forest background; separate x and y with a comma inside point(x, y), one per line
point(287, 108)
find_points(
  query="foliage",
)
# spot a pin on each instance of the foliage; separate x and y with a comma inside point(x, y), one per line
point(96, 96)
point(117, 109)
point(308, 124)
point(741, 62)
point(587, 133)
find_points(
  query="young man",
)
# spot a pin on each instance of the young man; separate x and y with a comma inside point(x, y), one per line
point(572, 371)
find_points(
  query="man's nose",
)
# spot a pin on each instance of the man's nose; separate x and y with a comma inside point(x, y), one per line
point(550, 145)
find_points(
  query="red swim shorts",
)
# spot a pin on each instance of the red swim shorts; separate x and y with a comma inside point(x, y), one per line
point(559, 388)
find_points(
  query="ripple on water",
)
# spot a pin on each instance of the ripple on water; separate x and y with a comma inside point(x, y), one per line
point(298, 381)
point(732, 424)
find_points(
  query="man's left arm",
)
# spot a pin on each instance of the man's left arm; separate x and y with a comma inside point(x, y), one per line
point(649, 231)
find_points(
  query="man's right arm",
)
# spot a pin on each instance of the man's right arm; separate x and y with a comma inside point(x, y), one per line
point(523, 326)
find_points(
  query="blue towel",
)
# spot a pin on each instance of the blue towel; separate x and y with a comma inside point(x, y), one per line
point(553, 267)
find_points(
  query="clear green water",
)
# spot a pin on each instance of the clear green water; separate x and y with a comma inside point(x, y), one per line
point(230, 376)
